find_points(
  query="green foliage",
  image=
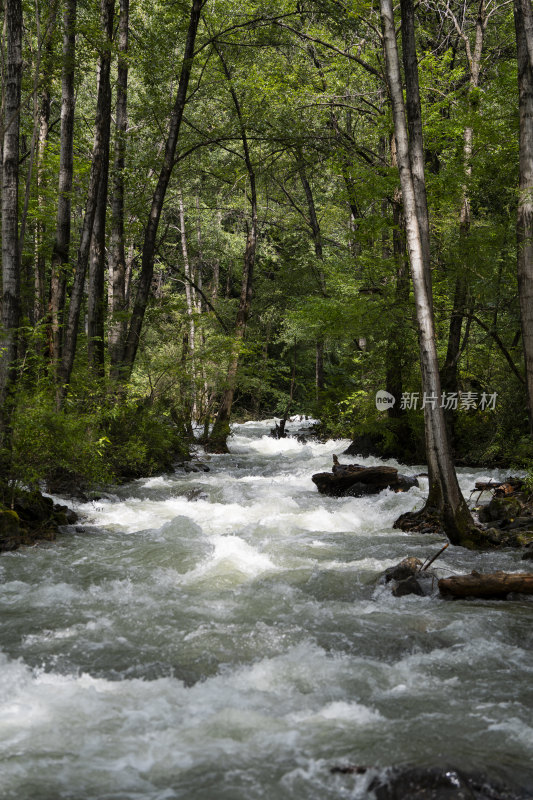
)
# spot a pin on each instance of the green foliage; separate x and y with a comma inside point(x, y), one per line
point(304, 106)
point(47, 442)
point(108, 443)
point(140, 440)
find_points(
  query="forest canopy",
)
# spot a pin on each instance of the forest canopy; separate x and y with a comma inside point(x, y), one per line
point(204, 218)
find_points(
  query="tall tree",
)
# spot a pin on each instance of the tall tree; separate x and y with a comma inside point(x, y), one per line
point(219, 434)
point(10, 230)
point(152, 225)
point(316, 234)
point(445, 501)
point(523, 16)
point(61, 248)
point(96, 282)
point(449, 377)
point(101, 143)
point(117, 254)
point(40, 305)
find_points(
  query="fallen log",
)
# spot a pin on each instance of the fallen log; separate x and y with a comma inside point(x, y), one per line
point(353, 480)
point(492, 585)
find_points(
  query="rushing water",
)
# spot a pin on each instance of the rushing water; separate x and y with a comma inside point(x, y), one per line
point(239, 646)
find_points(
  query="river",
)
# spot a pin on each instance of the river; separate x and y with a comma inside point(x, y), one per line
point(238, 647)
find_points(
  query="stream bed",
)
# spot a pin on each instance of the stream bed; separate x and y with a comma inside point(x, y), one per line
point(239, 646)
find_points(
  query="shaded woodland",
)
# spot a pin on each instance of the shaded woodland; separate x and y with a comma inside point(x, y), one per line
point(217, 211)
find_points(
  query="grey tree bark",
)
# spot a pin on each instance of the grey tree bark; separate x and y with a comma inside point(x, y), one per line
point(117, 254)
point(445, 501)
point(101, 142)
point(97, 261)
point(191, 303)
point(523, 16)
point(61, 249)
point(150, 234)
point(10, 230)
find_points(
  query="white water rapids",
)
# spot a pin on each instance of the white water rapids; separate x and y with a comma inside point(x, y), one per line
point(238, 647)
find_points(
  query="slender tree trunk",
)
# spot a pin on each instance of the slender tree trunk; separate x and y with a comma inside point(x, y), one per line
point(191, 303)
point(101, 142)
point(150, 235)
point(221, 430)
point(97, 254)
point(39, 306)
point(39, 299)
point(96, 282)
point(447, 502)
point(61, 249)
point(449, 378)
point(117, 256)
point(524, 41)
point(416, 138)
point(319, 272)
point(396, 345)
point(10, 238)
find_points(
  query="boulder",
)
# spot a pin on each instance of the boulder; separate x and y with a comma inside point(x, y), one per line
point(10, 532)
point(501, 509)
point(407, 577)
point(34, 518)
point(405, 569)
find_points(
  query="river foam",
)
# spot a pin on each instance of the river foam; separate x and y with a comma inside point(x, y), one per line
point(239, 646)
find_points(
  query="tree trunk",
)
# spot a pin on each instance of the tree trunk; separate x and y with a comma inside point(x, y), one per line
point(319, 253)
point(191, 303)
point(39, 303)
point(449, 380)
point(445, 499)
point(221, 429)
point(10, 239)
point(101, 143)
point(61, 249)
point(117, 254)
point(524, 25)
point(96, 282)
point(150, 235)
point(396, 344)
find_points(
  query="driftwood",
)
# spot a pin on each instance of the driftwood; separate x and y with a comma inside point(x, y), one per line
point(495, 585)
point(504, 488)
point(354, 480)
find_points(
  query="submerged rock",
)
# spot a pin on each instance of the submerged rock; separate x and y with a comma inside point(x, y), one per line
point(196, 494)
point(195, 466)
point(407, 578)
point(439, 783)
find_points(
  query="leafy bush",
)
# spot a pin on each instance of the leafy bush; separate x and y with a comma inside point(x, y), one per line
point(83, 447)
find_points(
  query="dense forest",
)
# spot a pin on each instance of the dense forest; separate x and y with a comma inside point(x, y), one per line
point(224, 211)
